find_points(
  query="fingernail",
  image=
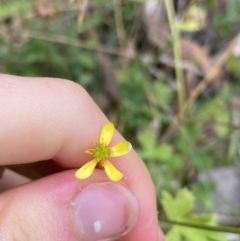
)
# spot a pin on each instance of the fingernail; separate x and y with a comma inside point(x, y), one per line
point(104, 211)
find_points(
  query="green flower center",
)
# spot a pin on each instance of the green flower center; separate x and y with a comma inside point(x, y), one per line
point(101, 152)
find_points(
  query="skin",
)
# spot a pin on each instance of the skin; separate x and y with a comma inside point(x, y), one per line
point(55, 119)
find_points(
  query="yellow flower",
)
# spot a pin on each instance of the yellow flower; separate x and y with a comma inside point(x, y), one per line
point(102, 152)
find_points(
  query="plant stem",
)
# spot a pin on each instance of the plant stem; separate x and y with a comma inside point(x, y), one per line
point(212, 73)
point(177, 50)
point(119, 22)
point(223, 229)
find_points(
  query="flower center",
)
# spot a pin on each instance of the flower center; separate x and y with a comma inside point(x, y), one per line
point(101, 152)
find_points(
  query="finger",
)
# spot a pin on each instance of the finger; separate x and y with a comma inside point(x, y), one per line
point(11, 179)
point(53, 115)
point(56, 119)
point(59, 208)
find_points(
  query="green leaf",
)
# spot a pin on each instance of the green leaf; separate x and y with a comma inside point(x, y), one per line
point(178, 207)
point(164, 152)
point(202, 192)
point(201, 160)
point(148, 143)
point(163, 95)
point(173, 235)
point(195, 234)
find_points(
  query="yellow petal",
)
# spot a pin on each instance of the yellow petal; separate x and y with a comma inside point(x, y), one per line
point(111, 171)
point(86, 170)
point(122, 148)
point(89, 152)
point(107, 133)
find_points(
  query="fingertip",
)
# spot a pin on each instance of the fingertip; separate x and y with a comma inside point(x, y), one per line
point(104, 211)
point(10, 179)
point(60, 207)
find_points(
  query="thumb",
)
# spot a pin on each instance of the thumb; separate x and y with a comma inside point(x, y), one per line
point(60, 207)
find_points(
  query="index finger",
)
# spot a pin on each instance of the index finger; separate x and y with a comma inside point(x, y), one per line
point(43, 118)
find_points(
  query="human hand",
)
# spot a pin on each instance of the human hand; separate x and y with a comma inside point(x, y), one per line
point(53, 119)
